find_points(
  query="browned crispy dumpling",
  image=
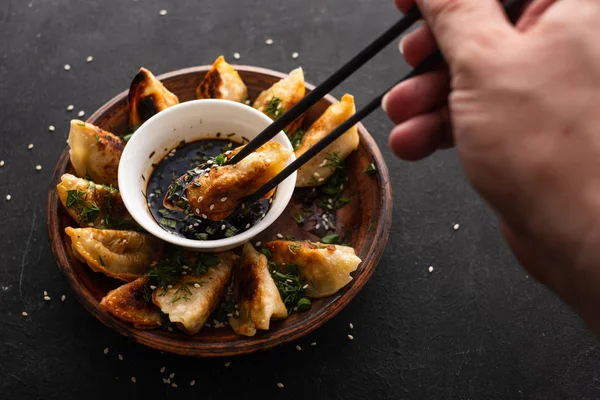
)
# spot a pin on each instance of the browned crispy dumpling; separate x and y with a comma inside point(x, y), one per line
point(127, 303)
point(316, 171)
point(325, 268)
point(222, 82)
point(124, 255)
point(282, 96)
point(147, 96)
point(255, 293)
point(95, 153)
point(220, 190)
point(93, 205)
point(190, 308)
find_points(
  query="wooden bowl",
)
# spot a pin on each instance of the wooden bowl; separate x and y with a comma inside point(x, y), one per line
point(364, 223)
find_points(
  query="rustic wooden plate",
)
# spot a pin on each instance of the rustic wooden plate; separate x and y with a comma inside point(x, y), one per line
point(364, 223)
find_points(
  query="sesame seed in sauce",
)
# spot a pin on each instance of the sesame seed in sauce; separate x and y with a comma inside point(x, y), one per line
point(350, 337)
point(350, 325)
point(24, 313)
point(63, 297)
point(47, 298)
point(30, 146)
point(120, 357)
point(295, 55)
point(430, 269)
point(192, 382)
point(67, 67)
point(162, 13)
point(298, 348)
point(51, 128)
point(70, 107)
point(133, 379)
point(269, 42)
point(456, 227)
point(228, 363)
point(89, 59)
point(280, 385)
point(223, 199)
point(236, 55)
point(8, 197)
point(38, 167)
point(106, 350)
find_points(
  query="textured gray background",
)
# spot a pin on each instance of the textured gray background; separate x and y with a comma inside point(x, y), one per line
point(476, 328)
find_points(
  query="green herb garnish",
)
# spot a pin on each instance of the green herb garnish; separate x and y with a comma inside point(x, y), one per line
point(273, 108)
point(330, 239)
point(371, 169)
point(304, 304)
point(220, 159)
point(296, 138)
point(127, 137)
point(90, 213)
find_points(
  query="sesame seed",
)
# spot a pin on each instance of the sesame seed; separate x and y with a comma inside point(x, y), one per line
point(1, 163)
point(47, 298)
point(305, 286)
point(81, 113)
point(280, 236)
point(223, 199)
point(89, 59)
point(63, 297)
point(430, 269)
point(456, 227)
point(45, 293)
point(228, 363)
point(329, 206)
point(317, 226)
point(172, 375)
point(258, 244)
point(197, 211)
point(183, 273)
point(167, 381)
point(248, 225)
point(223, 227)
point(196, 285)
point(162, 12)
point(298, 348)
point(38, 167)
point(120, 357)
point(133, 379)
point(106, 350)
point(51, 128)
point(67, 67)
point(204, 216)
point(174, 384)
point(321, 179)
point(24, 313)
point(192, 382)
point(280, 385)
point(169, 286)
point(30, 146)
point(313, 344)
point(164, 380)
point(295, 55)
point(330, 200)
point(212, 206)
point(8, 197)
point(350, 337)
point(162, 369)
point(229, 315)
point(152, 287)
point(70, 107)
point(316, 174)
point(269, 42)
point(350, 325)
point(236, 55)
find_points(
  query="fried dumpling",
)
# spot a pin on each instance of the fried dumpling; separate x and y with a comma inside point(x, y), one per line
point(127, 303)
point(255, 293)
point(217, 191)
point(124, 255)
point(282, 96)
point(222, 82)
point(325, 268)
point(147, 96)
point(94, 205)
point(95, 153)
point(191, 306)
point(316, 171)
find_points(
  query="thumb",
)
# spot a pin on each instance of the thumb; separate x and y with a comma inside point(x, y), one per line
point(459, 24)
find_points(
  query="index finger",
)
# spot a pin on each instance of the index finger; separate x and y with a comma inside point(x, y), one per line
point(404, 5)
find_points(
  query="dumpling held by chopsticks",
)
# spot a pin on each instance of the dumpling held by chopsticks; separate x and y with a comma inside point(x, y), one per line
point(216, 190)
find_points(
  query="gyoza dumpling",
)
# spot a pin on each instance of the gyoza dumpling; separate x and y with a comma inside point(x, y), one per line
point(325, 268)
point(219, 191)
point(282, 96)
point(95, 205)
point(191, 306)
point(127, 303)
point(123, 255)
point(318, 169)
point(255, 293)
point(95, 153)
point(222, 82)
point(147, 96)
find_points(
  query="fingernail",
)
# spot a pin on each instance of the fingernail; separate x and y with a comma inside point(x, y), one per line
point(384, 102)
point(401, 45)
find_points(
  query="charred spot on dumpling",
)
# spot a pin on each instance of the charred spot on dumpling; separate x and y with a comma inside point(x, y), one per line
point(147, 97)
point(209, 87)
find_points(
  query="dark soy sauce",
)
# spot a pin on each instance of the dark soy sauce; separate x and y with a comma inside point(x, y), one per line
point(186, 157)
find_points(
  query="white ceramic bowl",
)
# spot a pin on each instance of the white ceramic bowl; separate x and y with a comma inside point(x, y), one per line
point(190, 121)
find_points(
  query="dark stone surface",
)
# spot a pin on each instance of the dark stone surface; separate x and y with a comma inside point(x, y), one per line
point(476, 328)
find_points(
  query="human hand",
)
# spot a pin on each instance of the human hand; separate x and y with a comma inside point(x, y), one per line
point(522, 106)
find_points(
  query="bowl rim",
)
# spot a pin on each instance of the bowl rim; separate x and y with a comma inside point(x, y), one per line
point(177, 343)
point(284, 194)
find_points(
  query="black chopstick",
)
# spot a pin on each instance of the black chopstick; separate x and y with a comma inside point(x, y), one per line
point(510, 7)
point(329, 84)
